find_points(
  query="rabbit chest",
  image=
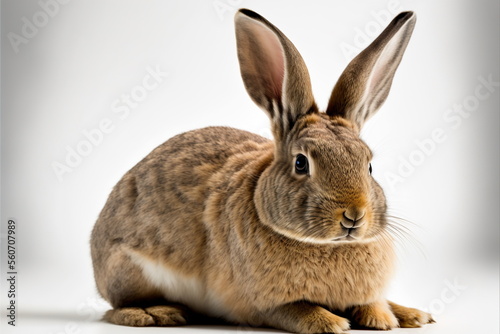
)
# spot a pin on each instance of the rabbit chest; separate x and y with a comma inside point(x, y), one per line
point(337, 276)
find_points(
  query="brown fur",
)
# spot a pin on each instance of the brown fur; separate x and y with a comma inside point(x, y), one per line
point(224, 212)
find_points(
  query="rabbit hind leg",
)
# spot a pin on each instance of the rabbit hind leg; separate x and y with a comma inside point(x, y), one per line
point(158, 315)
point(135, 301)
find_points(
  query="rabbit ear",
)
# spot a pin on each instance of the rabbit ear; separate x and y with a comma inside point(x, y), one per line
point(365, 83)
point(273, 71)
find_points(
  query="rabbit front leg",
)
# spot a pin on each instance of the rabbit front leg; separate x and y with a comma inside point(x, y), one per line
point(377, 315)
point(410, 317)
point(304, 317)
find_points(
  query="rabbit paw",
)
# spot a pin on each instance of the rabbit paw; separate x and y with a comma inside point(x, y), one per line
point(324, 323)
point(303, 317)
point(167, 315)
point(151, 316)
point(129, 316)
point(410, 317)
point(377, 315)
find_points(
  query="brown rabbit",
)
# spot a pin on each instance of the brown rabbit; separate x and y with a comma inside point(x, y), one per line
point(289, 233)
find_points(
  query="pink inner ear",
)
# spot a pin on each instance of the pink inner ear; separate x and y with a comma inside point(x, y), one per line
point(385, 62)
point(273, 56)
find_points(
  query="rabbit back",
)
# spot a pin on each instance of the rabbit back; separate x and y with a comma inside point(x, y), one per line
point(150, 240)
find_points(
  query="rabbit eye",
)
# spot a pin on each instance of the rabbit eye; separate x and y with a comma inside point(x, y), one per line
point(301, 164)
point(370, 168)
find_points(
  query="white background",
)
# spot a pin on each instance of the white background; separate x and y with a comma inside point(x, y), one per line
point(65, 78)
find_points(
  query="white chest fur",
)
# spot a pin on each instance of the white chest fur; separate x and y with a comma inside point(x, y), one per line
point(179, 288)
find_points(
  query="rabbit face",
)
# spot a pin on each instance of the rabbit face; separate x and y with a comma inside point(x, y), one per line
point(319, 187)
point(322, 190)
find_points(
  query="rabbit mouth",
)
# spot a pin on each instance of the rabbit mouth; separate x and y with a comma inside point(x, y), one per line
point(350, 234)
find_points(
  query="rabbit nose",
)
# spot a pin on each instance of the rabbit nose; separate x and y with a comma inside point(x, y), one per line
point(353, 217)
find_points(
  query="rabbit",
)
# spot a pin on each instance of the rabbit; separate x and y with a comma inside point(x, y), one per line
point(287, 233)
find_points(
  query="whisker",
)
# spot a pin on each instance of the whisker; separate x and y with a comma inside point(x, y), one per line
point(403, 220)
point(405, 235)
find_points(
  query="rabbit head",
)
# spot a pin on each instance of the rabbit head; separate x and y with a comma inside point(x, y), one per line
point(319, 186)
